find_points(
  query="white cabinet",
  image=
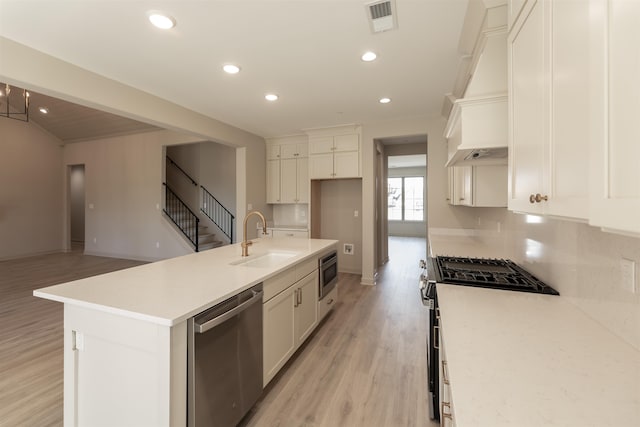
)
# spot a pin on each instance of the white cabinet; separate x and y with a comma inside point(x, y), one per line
point(290, 314)
point(335, 156)
point(615, 128)
point(514, 7)
point(287, 171)
point(549, 109)
point(478, 186)
point(447, 417)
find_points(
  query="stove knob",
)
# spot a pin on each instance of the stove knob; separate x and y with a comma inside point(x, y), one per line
point(423, 264)
point(423, 282)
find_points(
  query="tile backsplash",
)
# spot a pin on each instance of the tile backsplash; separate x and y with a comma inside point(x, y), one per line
point(582, 262)
point(291, 215)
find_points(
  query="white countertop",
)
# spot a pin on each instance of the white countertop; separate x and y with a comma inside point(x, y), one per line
point(170, 291)
point(519, 359)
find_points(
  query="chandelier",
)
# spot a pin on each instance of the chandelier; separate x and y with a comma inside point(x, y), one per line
point(16, 103)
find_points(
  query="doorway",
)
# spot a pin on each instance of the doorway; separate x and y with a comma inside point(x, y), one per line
point(402, 197)
point(76, 207)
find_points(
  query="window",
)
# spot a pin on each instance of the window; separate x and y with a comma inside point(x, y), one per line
point(406, 198)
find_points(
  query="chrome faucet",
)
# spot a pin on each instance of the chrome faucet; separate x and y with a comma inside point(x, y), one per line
point(246, 243)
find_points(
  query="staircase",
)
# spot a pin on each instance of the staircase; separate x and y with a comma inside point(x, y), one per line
point(188, 222)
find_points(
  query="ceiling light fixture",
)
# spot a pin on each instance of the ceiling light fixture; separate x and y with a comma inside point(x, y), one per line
point(271, 97)
point(369, 56)
point(231, 69)
point(19, 107)
point(384, 100)
point(43, 110)
point(161, 20)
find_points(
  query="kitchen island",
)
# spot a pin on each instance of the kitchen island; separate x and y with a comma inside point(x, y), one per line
point(125, 333)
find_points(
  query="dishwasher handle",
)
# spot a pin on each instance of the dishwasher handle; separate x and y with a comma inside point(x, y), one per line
point(204, 327)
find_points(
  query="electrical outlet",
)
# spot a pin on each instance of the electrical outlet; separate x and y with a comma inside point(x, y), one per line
point(628, 275)
point(157, 245)
point(356, 213)
point(348, 248)
point(249, 207)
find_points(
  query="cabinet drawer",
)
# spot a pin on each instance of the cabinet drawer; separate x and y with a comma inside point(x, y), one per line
point(303, 234)
point(274, 285)
point(327, 303)
point(306, 267)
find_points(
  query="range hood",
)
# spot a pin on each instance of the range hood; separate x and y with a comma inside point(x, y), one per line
point(477, 131)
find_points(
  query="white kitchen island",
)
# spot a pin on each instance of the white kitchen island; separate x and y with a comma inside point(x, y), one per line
point(125, 333)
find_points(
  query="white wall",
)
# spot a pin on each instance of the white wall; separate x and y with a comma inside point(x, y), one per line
point(76, 202)
point(31, 188)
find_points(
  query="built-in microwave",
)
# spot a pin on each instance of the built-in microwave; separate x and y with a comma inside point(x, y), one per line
point(328, 268)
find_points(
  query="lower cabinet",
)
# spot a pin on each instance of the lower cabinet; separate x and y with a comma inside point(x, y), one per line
point(289, 318)
point(447, 418)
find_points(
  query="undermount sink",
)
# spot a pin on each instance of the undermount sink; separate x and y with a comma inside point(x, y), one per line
point(264, 260)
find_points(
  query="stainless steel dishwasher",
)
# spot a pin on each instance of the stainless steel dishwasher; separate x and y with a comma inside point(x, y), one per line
point(224, 366)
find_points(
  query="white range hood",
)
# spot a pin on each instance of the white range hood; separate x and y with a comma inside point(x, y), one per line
point(477, 128)
point(477, 131)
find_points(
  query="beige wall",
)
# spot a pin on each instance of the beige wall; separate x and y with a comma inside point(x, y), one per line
point(339, 199)
point(31, 187)
point(124, 196)
point(440, 213)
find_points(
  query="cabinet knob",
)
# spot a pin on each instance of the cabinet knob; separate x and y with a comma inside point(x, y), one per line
point(537, 198)
point(461, 198)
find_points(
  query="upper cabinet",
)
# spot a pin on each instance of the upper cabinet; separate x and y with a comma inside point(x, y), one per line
point(477, 186)
point(287, 170)
point(614, 126)
point(334, 153)
point(549, 108)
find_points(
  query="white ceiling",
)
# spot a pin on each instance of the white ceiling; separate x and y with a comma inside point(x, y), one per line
point(307, 51)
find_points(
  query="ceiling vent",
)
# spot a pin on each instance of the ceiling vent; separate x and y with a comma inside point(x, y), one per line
point(382, 15)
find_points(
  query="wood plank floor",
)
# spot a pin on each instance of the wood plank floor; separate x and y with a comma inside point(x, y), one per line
point(31, 355)
point(364, 366)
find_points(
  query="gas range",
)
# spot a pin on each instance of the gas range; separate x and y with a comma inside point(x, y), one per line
point(488, 273)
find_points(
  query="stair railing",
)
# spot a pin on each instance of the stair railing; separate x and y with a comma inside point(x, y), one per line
point(172, 163)
point(183, 217)
point(217, 213)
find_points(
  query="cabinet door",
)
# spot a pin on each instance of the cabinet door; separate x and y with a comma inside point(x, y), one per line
point(513, 10)
point(273, 181)
point(615, 192)
point(346, 142)
point(569, 151)
point(527, 110)
point(273, 152)
point(464, 185)
point(288, 180)
point(302, 149)
point(320, 144)
point(303, 180)
point(321, 166)
point(279, 333)
point(288, 151)
point(346, 164)
point(306, 315)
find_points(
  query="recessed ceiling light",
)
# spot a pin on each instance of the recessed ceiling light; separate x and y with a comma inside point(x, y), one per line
point(271, 97)
point(231, 69)
point(161, 20)
point(369, 56)
point(43, 110)
point(384, 100)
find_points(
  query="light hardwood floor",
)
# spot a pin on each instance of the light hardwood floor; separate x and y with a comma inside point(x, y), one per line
point(364, 366)
point(31, 334)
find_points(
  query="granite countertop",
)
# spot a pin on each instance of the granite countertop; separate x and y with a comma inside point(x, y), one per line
point(170, 291)
point(529, 360)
